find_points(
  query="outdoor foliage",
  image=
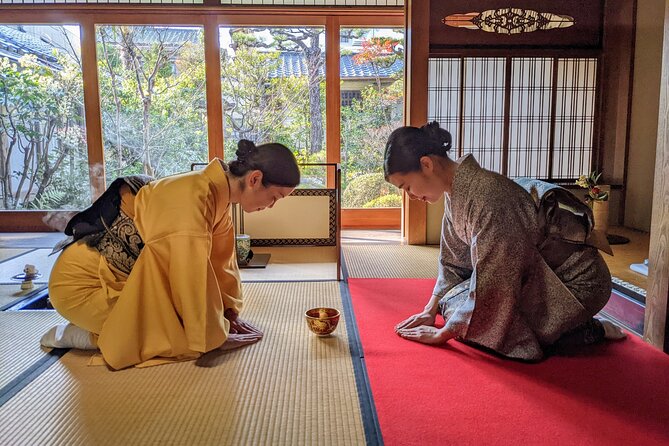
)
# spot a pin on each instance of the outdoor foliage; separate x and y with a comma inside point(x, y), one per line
point(152, 86)
point(43, 156)
point(366, 188)
point(365, 127)
point(153, 105)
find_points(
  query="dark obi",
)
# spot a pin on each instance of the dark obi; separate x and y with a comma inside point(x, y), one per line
point(105, 227)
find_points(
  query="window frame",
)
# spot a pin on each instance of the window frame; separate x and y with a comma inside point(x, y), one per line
point(210, 17)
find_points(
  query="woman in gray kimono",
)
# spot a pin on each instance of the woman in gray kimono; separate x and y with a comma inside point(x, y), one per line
point(519, 269)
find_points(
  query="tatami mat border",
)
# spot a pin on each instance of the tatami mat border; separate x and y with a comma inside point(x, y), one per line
point(26, 377)
point(370, 420)
point(33, 293)
point(27, 251)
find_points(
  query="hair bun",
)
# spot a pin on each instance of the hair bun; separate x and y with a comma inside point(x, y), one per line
point(441, 137)
point(245, 148)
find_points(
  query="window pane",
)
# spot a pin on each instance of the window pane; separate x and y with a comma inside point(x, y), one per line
point(43, 154)
point(273, 90)
point(481, 94)
point(530, 117)
point(153, 99)
point(574, 117)
point(444, 97)
point(372, 103)
point(483, 111)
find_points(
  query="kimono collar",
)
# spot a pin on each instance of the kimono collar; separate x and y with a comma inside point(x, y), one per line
point(216, 171)
point(465, 173)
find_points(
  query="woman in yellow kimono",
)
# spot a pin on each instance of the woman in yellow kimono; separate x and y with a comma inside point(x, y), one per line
point(150, 274)
point(519, 269)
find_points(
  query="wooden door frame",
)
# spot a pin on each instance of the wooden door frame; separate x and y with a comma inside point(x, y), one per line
point(656, 327)
point(417, 26)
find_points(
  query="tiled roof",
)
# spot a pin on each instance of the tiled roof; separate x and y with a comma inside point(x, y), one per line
point(348, 68)
point(294, 64)
point(15, 43)
point(146, 35)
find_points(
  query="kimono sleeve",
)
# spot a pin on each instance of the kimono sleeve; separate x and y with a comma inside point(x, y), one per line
point(500, 249)
point(212, 259)
point(224, 261)
point(197, 295)
point(452, 257)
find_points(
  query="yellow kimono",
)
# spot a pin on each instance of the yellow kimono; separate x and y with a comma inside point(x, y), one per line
point(171, 305)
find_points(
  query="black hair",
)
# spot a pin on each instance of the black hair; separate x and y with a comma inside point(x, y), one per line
point(407, 145)
point(276, 162)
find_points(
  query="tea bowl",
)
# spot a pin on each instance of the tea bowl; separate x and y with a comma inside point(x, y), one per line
point(322, 320)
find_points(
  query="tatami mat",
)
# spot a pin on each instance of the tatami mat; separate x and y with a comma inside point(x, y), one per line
point(391, 261)
point(292, 388)
point(30, 239)
point(373, 236)
point(8, 253)
point(294, 263)
point(10, 294)
point(20, 332)
point(39, 257)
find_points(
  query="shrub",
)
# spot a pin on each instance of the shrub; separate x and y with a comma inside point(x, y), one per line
point(385, 201)
point(366, 188)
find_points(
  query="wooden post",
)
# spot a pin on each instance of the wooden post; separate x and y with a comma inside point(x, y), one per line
point(417, 13)
point(96, 159)
point(332, 97)
point(212, 59)
point(656, 329)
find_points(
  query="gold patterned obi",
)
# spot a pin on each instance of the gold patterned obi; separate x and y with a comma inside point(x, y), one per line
point(108, 224)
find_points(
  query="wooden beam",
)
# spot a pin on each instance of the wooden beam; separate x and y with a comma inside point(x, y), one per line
point(382, 218)
point(656, 328)
point(32, 221)
point(94, 141)
point(332, 96)
point(417, 25)
point(616, 89)
point(381, 20)
point(212, 61)
point(164, 14)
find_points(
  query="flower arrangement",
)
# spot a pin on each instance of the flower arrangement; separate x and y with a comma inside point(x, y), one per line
point(590, 182)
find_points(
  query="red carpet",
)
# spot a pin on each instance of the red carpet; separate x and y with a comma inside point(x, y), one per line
point(616, 394)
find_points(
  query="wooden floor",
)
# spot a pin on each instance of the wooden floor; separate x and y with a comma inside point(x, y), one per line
point(636, 251)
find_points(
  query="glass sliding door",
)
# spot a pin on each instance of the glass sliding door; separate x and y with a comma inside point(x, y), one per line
point(153, 99)
point(43, 153)
point(273, 90)
point(372, 103)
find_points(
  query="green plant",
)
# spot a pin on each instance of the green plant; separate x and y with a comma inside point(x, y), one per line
point(385, 201)
point(365, 188)
point(590, 182)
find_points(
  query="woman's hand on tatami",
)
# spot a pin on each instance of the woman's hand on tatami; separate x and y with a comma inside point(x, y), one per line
point(425, 334)
point(241, 332)
point(240, 326)
point(236, 340)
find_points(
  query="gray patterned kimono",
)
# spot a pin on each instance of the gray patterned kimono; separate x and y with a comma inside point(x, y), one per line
point(519, 265)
